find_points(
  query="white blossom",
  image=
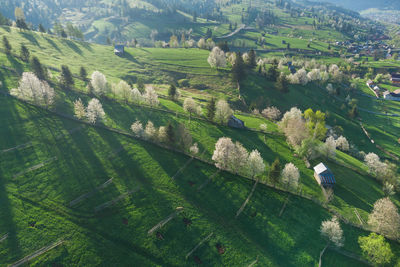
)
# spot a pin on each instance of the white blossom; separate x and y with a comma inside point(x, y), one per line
point(137, 129)
point(99, 83)
point(79, 109)
point(94, 111)
point(32, 89)
point(255, 164)
point(217, 59)
point(332, 231)
point(194, 149)
point(223, 112)
point(290, 176)
point(223, 149)
point(151, 96)
point(150, 132)
point(190, 106)
point(342, 144)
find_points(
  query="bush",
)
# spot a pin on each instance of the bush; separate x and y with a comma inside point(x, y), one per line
point(184, 83)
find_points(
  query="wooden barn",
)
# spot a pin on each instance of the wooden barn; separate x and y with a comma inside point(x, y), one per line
point(324, 176)
point(119, 50)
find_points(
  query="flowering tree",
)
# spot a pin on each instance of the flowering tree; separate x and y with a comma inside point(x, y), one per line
point(99, 83)
point(194, 149)
point(222, 153)
point(150, 132)
point(223, 112)
point(79, 109)
point(333, 233)
point(330, 147)
point(217, 58)
point(190, 106)
point(375, 165)
point(290, 176)
point(238, 159)
point(255, 164)
point(95, 111)
point(294, 127)
point(32, 89)
point(136, 96)
point(151, 97)
point(122, 90)
point(385, 218)
point(271, 113)
point(342, 143)
point(137, 129)
point(314, 75)
point(162, 134)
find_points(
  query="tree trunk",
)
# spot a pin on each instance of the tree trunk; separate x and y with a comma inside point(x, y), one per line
point(321, 254)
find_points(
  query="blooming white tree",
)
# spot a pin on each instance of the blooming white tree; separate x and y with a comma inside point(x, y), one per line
point(314, 75)
point(94, 111)
point(330, 147)
point(324, 77)
point(385, 218)
point(99, 83)
point(302, 76)
point(238, 159)
point(223, 112)
point(79, 109)
point(137, 129)
point(375, 165)
point(332, 232)
point(255, 164)
point(150, 132)
point(194, 149)
point(217, 59)
point(342, 143)
point(136, 96)
point(271, 113)
point(151, 96)
point(32, 89)
point(162, 134)
point(122, 90)
point(291, 176)
point(202, 44)
point(294, 127)
point(330, 89)
point(222, 153)
point(263, 127)
point(190, 106)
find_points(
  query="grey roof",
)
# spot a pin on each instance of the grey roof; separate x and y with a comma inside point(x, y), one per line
point(320, 168)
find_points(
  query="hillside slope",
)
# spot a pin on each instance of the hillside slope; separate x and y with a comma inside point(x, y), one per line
point(77, 158)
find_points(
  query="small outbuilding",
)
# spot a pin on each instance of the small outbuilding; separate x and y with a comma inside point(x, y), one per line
point(324, 175)
point(119, 50)
point(236, 123)
point(395, 78)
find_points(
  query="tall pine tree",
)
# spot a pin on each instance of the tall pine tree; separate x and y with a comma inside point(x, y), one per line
point(211, 109)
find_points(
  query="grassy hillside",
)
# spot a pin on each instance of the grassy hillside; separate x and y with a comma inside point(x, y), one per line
point(87, 157)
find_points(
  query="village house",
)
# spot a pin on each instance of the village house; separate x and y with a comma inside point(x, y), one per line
point(324, 176)
point(395, 78)
point(236, 123)
point(119, 50)
point(395, 96)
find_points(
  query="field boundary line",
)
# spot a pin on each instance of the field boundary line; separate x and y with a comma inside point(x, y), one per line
point(35, 167)
point(165, 221)
point(199, 244)
point(87, 195)
point(36, 254)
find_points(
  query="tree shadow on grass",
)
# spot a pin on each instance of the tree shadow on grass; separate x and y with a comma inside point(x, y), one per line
point(30, 37)
point(52, 43)
point(73, 46)
point(16, 64)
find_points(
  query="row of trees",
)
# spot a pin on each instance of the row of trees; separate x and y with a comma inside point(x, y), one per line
point(169, 134)
point(93, 112)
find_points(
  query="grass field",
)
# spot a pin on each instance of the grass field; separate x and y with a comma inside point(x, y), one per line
point(77, 162)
